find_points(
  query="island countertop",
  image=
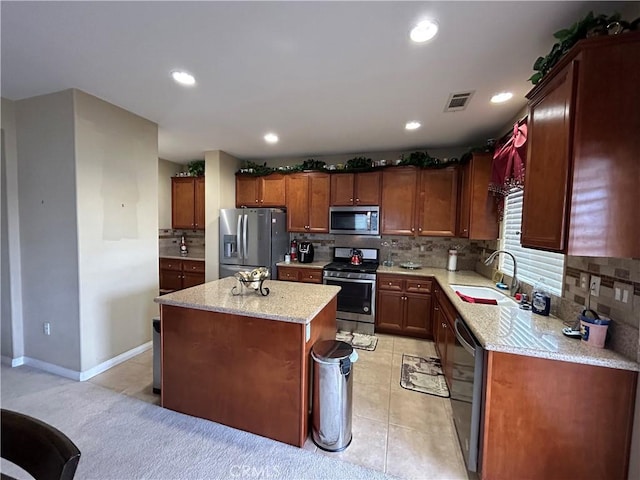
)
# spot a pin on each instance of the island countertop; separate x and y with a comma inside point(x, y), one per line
point(287, 301)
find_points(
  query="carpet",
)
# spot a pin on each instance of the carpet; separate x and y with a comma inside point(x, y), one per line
point(121, 437)
point(358, 340)
point(423, 375)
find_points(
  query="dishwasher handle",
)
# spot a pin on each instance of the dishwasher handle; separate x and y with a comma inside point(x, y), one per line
point(466, 345)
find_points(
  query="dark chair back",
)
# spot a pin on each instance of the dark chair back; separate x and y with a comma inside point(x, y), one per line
point(40, 449)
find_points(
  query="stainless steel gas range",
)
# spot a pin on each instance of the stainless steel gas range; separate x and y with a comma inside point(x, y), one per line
point(357, 297)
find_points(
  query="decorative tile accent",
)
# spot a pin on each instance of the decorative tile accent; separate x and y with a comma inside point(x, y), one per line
point(621, 273)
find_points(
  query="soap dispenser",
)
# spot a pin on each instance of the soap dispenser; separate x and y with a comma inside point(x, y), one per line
point(183, 247)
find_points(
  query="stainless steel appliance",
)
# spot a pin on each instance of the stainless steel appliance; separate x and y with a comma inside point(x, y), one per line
point(357, 297)
point(250, 238)
point(305, 252)
point(466, 393)
point(354, 220)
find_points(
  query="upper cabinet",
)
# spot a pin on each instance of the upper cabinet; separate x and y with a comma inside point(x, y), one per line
point(267, 191)
point(581, 190)
point(187, 203)
point(349, 189)
point(419, 202)
point(478, 212)
point(307, 197)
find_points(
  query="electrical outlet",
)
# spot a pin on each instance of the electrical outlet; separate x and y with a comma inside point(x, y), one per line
point(595, 286)
point(584, 281)
point(47, 328)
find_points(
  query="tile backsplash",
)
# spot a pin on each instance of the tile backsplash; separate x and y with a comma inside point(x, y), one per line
point(169, 242)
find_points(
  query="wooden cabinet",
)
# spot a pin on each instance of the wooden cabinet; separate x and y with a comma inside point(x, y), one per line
point(477, 208)
point(419, 202)
point(300, 274)
point(403, 305)
point(307, 197)
point(444, 315)
point(266, 191)
point(176, 274)
point(581, 182)
point(355, 188)
point(536, 408)
point(187, 203)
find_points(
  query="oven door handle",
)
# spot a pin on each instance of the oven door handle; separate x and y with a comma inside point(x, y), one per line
point(466, 345)
point(349, 280)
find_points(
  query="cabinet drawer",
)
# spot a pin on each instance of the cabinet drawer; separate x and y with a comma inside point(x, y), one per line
point(308, 275)
point(419, 286)
point(288, 274)
point(390, 283)
point(170, 264)
point(193, 266)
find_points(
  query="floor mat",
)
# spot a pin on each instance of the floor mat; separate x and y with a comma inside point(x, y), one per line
point(423, 375)
point(358, 340)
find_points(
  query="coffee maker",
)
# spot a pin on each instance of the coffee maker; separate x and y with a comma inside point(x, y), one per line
point(305, 252)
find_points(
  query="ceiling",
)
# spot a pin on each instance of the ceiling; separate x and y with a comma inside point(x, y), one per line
point(327, 77)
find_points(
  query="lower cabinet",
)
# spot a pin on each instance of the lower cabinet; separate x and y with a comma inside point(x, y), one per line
point(176, 274)
point(300, 274)
point(403, 305)
point(444, 316)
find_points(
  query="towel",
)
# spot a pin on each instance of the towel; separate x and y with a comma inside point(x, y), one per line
point(467, 298)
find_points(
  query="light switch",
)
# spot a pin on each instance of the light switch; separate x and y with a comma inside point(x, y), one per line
point(623, 292)
point(584, 281)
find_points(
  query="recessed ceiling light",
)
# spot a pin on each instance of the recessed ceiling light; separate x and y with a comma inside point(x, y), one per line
point(424, 31)
point(183, 78)
point(412, 125)
point(271, 138)
point(501, 97)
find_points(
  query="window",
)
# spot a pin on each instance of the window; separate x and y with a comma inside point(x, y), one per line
point(532, 264)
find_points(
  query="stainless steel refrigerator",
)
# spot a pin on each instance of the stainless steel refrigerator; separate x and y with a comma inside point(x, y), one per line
point(250, 238)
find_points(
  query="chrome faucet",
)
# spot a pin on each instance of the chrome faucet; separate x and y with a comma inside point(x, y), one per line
point(514, 282)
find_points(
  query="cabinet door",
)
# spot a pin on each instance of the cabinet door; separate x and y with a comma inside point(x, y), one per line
point(390, 310)
point(199, 204)
point(191, 279)
point(342, 189)
point(246, 191)
point(367, 188)
point(418, 315)
point(288, 274)
point(548, 163)
point(319, 187)
point(297, 193)
point(399, 185)
point(478, 219)
point(438, 202)
point(272, 190)
point(170, 280)
point(464, 205)
point(182, 202)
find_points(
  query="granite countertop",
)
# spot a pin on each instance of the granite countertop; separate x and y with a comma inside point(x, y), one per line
point(180, 257)
point(287, 301)
point(509, 329)
point(315, 264)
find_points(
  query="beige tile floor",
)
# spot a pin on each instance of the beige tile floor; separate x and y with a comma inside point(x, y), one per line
point(406, 434)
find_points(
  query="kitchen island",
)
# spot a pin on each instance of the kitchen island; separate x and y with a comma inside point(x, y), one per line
point(243, 360)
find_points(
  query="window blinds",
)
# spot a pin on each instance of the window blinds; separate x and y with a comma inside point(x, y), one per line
point(532, 264)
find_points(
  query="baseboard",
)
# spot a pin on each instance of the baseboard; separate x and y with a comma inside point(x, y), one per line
point(12, 362)
point(74, 374)
point(123, 357)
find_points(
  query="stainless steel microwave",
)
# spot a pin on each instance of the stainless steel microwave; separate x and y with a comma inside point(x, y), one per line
point(354, 220)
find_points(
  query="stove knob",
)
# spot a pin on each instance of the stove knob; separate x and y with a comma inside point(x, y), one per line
point(366, 309)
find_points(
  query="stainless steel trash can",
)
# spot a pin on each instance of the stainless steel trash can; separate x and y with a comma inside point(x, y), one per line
point(332, 397)
point(157, 365)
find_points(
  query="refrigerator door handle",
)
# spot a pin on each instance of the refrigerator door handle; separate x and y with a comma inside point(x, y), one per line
point(245, 246)
point(239, 236)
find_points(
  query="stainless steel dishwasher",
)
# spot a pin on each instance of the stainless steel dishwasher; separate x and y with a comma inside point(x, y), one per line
point(466, 393)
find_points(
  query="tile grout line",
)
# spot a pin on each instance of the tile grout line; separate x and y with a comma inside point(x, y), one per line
point(386, 447)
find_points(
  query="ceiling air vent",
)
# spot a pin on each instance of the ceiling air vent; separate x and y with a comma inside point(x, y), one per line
point(458, 101)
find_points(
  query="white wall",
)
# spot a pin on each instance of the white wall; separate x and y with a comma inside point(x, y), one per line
point(48, 228)
point(166, 170)
point(220, 192)
point(11, 286)
point(117, 198)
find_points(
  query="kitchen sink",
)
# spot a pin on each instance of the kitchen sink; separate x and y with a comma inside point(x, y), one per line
point(484, 293)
